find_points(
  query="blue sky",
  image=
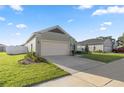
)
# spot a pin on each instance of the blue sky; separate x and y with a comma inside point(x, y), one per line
point(17, 23)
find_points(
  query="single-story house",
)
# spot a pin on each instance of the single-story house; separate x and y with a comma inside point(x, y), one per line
point(51, 41)
point(97, 44)
point(2, 47)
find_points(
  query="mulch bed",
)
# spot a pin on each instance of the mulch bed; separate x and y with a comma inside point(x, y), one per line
point(27, 61)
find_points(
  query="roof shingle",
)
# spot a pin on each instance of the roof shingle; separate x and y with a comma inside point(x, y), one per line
point(92, 42)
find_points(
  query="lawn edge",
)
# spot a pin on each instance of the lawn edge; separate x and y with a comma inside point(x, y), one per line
point(34, 84)
point(102, 61)
point(49, 62)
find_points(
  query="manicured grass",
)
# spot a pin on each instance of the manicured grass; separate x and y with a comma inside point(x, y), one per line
point(104, 57)
point(13, 74)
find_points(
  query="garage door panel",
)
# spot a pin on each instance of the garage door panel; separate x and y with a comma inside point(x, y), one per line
point(54, 48)
point(107, 49)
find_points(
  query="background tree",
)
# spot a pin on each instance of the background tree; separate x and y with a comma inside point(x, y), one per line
point(121, 41)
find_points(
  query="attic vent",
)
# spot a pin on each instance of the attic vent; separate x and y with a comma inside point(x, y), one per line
point(57, 31)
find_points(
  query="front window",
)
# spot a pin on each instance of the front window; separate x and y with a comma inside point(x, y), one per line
point(31, 47)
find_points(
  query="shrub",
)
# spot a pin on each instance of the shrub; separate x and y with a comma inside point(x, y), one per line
point(99, 51)
point(119, 50)
point(32, 58)
point(86, 49)
point(82, 52)
point(78, 52)
point(114, 50)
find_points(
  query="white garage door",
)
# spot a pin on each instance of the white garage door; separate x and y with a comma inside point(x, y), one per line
point(107, 49)
point(49, 47)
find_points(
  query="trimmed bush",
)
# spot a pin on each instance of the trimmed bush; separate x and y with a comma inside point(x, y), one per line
point(32, 58)
point(99, 51)
point(82, 52)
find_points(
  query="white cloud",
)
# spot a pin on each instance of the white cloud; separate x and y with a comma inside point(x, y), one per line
point(21, 26)
point(18, 34)
point(84, 7)
point(70, 20)
point(109, 10)
point(16, 8)
point(107, 23)
point(103, 28)
point(2, 18)
point(10, 23)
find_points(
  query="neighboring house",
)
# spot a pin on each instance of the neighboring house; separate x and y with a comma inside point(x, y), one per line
point(97, 44)
point(16, 49)
point(2, 48)
point(51, 41)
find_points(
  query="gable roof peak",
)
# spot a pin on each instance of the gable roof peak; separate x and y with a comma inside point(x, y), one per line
point(47, 30)
point(50, 28)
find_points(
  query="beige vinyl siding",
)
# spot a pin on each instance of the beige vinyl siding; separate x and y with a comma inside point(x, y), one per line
point(80, 48)
point(54, 36)
point(2, 48)
point(96, 47)
point(91, 47)
point(33, 43)
point(108, 45)
point(99, 47)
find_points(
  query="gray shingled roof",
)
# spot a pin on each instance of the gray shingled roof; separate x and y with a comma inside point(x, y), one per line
point(46, 30)
point(92, 42)
point(2, 45)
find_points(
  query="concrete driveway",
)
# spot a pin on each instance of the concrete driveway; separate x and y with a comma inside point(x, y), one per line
point(87, 73)
point(73, 64)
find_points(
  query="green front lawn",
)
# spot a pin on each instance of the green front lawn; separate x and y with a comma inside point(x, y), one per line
point(104, 57)
point(13, 74)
